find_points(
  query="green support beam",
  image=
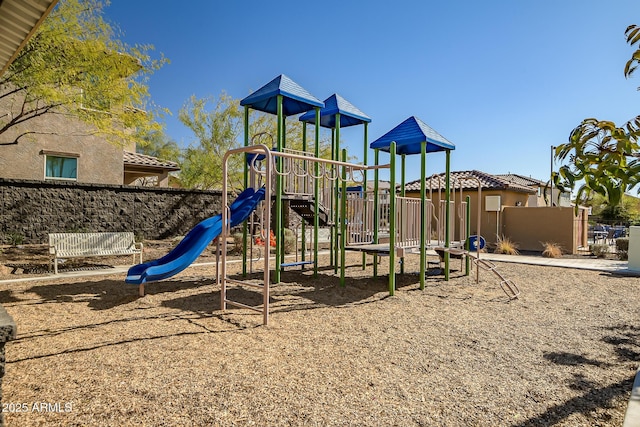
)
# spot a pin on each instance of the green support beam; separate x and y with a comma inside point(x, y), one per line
point(447, 208)
point(343, 222)
point(365, 190)
point(403, 165)
point(316, 195)
point(392, 220)
point(376, 209)
point(423, 214)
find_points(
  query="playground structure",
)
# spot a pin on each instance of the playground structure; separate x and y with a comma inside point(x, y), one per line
point(334, 193)
point(328, 192)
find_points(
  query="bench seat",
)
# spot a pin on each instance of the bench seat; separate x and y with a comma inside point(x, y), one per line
point(77, 245)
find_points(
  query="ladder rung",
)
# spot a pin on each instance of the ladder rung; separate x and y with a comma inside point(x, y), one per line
point(510, 288)
point(240, 282)
point(239, 304)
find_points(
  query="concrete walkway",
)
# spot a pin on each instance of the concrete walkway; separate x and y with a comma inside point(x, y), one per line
point(586, 263)
point(597, 264)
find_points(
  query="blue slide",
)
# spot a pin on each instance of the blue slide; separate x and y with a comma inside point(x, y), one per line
point(194, 242)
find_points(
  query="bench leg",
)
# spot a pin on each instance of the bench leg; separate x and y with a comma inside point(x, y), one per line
point(141, 289)
point(55, 266)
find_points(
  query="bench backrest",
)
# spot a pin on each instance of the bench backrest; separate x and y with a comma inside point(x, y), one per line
point(79, 243)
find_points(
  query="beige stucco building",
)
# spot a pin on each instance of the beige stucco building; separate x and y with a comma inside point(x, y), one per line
point(508, 207)
point(56, 146)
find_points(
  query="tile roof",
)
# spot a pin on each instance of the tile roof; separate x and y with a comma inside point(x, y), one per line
point(137, 159)
point(467, 181)
point(522, 180)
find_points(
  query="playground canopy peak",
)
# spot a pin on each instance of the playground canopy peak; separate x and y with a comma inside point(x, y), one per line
point(296, 99)
point(350, 115)
point(409, 135)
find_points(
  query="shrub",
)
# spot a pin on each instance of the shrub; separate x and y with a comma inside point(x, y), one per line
point(622, 244)
point(504, 245)
point(289, 241)
point(237, 243)
point(622, 248)
point(551, 250)
point(15, 239)
point(599, 250)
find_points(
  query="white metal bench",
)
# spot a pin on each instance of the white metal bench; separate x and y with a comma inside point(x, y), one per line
point(76, 245)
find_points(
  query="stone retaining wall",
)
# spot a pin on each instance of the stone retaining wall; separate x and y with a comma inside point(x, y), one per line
point(31, 209)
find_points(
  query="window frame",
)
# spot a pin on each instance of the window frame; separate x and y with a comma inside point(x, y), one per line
point(49, 154)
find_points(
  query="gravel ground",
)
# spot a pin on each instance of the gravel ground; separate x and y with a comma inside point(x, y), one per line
point(455, 354)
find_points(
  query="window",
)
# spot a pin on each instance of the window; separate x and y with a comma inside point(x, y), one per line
point(60, 167)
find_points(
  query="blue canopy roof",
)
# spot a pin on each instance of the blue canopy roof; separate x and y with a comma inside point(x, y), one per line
point(296, 100)
point(349, 114)
point(409, 135)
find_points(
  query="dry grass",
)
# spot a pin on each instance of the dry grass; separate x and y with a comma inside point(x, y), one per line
point(454, 354)
point(506, 246)
point(551, 250)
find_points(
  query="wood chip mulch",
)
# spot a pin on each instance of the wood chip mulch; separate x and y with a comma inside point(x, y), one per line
point(455, 354)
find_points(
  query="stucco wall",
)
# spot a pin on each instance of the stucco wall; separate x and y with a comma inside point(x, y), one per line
point(530, 227)
point(98, 161)
point(526, 226)
point(488, 222)
point(32, 209)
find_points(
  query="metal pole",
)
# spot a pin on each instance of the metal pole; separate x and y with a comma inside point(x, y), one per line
point(343, 220)
point(365, 190)
point(392, 220)
point(303, 224)
point(466, 244)
point(551, 197)
point(316, 195)
point(423, 213)
point(447, 208)
point(278, 207)
point(403, 165)
point(337, 195)
point(246, 183)
point(376, 210)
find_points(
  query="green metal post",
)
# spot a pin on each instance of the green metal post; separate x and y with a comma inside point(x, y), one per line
point(334, 201)
point(246, 184)
point(392, 219)
point(423, 213)
point(316, 196)
point(337, 195)
point(403, 164)
point(278, 207)
point(376, 210)
point(365, 190)
point(343, 221)
point(280, 237)
point(303, 244)
point(447, 208)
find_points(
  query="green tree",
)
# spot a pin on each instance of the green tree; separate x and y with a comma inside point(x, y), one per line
point(626, 212)
point(218, 126)
point(217, 131)
point(75, 65)
point(158, 144)
point(604, 158)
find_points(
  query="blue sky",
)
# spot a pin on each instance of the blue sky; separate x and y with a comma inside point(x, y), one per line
point(501, 79)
